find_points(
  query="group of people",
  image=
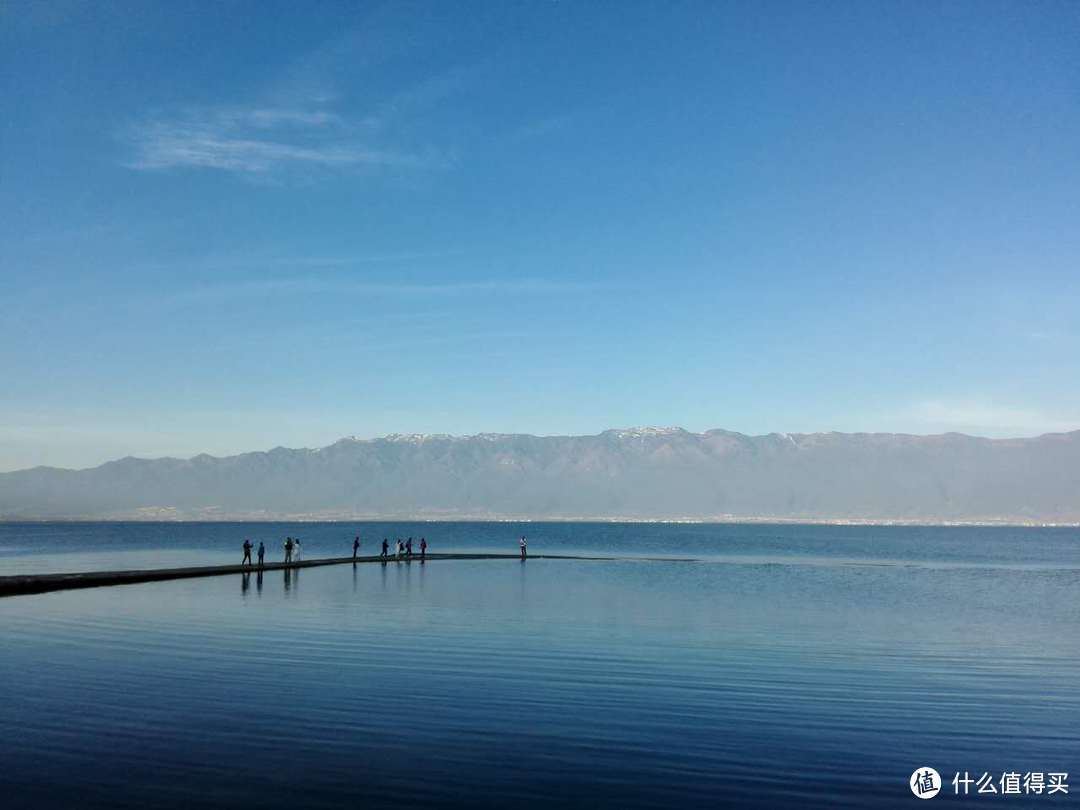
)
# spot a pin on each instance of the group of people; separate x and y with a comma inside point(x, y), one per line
point(294, 550)
point(247, 553)
point(404, 549)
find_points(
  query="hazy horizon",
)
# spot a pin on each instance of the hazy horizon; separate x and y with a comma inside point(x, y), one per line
point(649, 473)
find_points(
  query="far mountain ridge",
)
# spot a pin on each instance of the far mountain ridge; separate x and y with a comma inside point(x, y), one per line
point(634, 432)
point(636, 473)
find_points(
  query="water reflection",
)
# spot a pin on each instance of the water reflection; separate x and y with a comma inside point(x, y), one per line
point(630, 673)
point(259, 582)
point(245, 583)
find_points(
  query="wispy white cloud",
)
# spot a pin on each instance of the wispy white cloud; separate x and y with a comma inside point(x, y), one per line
point(262, 262)
point(326, 110)
point(272, 117)
point(989, 418)
point(255, 140)
point(310, 285)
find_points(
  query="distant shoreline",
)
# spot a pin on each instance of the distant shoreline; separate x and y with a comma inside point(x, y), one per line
point(720, 521)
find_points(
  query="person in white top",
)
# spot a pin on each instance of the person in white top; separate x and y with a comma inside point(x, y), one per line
point(524, 546)
point(297, 556)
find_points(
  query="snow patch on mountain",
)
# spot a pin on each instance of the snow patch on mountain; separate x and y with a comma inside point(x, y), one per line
point(645, 432)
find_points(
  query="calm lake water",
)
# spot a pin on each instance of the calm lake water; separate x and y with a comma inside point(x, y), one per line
point(789, 666)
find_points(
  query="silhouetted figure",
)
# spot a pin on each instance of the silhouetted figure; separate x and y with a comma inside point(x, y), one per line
point(288, 549)
point(385, 548)
point(423, 549)
point(262, 553)
point(247, 553)
point(408, 549)
point(524, 548)
point(355, 546)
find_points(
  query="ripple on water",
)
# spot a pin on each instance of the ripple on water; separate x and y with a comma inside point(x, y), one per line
point(628, 684)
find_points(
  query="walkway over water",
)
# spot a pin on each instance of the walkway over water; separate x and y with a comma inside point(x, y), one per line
point(41, 583)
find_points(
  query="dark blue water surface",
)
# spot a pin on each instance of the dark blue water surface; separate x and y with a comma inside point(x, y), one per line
point(787, 666)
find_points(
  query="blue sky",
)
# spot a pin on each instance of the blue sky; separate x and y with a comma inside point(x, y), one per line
point(225, 227)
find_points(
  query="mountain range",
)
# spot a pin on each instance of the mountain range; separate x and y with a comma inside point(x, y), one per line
point(634, 474)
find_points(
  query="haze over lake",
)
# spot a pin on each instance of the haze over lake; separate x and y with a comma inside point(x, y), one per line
point(790, 664)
